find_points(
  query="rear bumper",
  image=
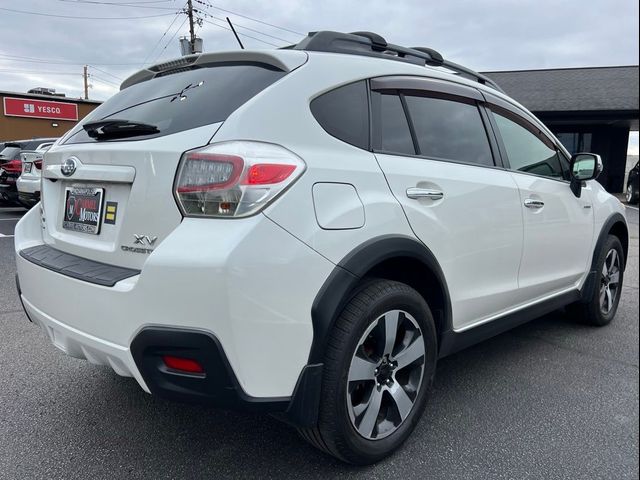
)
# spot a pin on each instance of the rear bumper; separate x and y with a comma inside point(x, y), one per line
point(249, 285)
point(78, 344)
point(28, 185)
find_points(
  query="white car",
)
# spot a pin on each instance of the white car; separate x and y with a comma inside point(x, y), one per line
point(28, 184)
point(306, 231)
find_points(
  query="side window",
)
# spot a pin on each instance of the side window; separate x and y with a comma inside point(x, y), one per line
point(526, 151)
point(449, 130)
point(391, 132)
point(344, 113)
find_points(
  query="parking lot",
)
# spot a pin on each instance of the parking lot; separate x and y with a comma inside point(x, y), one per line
point(550, 399)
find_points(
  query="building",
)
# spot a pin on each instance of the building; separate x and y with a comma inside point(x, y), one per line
point(588, 109)
point(27, 115)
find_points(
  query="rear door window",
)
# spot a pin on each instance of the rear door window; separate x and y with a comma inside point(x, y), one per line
point(344, 113)
point(185, 100)
point(449, 130)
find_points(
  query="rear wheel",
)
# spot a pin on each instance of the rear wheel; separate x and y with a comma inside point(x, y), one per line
point(600, 309)
point(379, 364)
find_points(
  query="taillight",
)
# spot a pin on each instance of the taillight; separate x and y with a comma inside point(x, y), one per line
point(234, 179)
point(13, 166)
point(38, 164)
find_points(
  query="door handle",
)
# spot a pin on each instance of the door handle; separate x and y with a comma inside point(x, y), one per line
point(531, 203)
point(417, 193)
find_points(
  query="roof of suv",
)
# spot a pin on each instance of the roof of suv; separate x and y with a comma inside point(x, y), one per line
point(366, 44)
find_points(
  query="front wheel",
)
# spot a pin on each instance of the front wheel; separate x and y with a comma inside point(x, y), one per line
point(600, 309)
point(632, 194)
point(379, 365)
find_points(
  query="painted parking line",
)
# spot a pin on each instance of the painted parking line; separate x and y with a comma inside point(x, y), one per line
point(10, 218)
point(2, 235)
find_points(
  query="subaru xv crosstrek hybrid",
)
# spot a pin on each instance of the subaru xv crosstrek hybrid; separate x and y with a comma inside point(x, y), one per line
point(306, 231)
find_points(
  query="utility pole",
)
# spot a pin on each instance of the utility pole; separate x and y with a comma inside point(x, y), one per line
point(192, 33)
point(85, 77)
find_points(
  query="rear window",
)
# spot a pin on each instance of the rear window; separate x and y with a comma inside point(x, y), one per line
point(10, 153)
point(344, 113)
point(185, 100)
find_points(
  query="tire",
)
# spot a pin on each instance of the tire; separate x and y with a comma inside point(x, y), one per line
point(631, 194)
point(592, 311)
point(360, 330)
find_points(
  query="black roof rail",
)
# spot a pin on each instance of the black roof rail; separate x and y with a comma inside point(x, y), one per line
point(371, 44)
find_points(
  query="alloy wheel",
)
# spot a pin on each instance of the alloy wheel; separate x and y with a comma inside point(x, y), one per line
point(610, 281)
point(385, 374)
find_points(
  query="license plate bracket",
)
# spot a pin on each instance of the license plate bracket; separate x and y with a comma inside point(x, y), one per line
point(83, 209)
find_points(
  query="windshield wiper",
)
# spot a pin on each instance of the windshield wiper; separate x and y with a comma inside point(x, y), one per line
point(114, 128)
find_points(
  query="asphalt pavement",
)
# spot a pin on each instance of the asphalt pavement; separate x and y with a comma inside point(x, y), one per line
point(550, 399)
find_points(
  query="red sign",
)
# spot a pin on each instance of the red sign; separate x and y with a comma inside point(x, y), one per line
point(26, 107)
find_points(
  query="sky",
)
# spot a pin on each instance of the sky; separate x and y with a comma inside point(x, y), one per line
point(41, 46)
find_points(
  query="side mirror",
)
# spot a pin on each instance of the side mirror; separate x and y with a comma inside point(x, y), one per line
point(584, 166)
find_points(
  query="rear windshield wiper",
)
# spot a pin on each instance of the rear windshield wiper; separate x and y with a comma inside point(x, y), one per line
point(114, 128)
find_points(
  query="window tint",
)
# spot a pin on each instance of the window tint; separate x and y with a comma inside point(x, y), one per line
point(390, 125)
point(449, 130)
point(185, 100)
point(526, 151)
point(344, 113)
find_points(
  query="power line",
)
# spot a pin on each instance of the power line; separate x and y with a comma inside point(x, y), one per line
point(106, 73)
point(103, 80)
point(84, 18)
point(20, 72)
point(243, 34)
point(170, 40)
point(20, 59)
point(208, 4)
point(236, 24)
point(112, 4)
point(160, 39)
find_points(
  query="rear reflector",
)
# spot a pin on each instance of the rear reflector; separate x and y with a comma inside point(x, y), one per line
point(186, 365)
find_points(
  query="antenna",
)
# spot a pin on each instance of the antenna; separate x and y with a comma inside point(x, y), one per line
point(234, 32)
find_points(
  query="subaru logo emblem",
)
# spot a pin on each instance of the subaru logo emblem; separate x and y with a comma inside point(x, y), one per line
point(69, 166)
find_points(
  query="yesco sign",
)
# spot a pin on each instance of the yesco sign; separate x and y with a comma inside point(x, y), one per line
point(26, 107)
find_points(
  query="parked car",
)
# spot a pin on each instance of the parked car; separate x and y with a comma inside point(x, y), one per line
point(11, 164)
point(306, 231)
point(632, 185)
point(28, 184)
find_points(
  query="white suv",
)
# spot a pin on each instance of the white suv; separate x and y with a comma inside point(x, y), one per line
point(305, 231)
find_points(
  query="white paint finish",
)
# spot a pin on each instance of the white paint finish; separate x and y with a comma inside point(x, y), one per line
point(337, 206)
point(558, 238)
point(78, 344)
point(475, 231)
point(137, 175)
point(247, 281)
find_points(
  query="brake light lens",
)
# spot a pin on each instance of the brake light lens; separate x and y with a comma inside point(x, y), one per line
point(38, 164)
point(234, 179)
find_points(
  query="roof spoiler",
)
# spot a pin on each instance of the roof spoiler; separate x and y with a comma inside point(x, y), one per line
point(280, 60)
point(373, 45)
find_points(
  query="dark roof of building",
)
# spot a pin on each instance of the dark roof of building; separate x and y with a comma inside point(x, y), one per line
point(572, 89)
point(52, 98)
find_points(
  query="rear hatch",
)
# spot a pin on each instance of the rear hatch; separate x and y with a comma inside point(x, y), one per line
point(107, 192)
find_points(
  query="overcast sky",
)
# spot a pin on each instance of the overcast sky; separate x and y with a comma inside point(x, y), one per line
point(49, 51)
